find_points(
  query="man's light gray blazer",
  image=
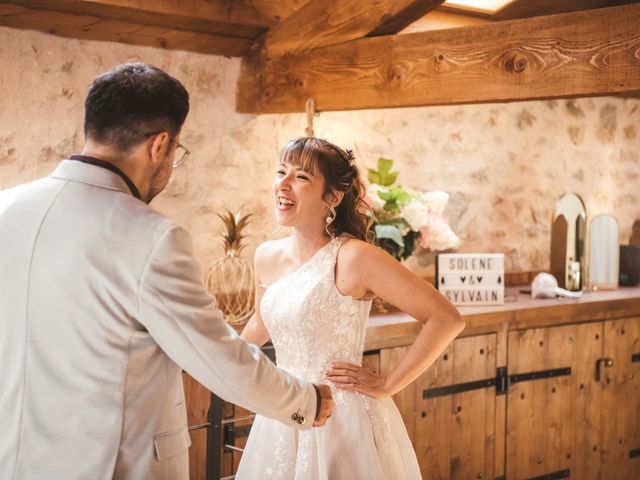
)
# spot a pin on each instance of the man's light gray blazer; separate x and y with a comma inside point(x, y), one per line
point(101, 305)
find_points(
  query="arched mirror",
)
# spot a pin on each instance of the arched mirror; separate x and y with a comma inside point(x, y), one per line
point(568, 232)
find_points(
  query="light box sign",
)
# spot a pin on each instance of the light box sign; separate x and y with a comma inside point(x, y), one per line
point(471, 278)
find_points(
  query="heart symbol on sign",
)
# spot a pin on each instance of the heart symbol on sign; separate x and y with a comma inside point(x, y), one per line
point(463, 279)
point(479, 279)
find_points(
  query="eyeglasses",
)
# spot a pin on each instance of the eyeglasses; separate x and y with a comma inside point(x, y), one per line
point(181, 153)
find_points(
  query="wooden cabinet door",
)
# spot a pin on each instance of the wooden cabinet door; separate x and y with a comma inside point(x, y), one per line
point(621, 400)
point(453, 433)
point(197, 400)
point(553, 402)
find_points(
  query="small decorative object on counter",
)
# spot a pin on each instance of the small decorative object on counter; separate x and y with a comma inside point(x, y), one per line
point(471, 278)
point(230, 278)
point(405, 218)
point(545, 285)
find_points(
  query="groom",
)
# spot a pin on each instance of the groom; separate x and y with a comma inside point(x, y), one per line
point(102, 305)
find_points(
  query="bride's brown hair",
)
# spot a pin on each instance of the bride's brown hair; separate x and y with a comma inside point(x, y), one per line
point(338, 167)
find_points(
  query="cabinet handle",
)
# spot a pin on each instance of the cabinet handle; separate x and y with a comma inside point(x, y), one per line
point(608, 362)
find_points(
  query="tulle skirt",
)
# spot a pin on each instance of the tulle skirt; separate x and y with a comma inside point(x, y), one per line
point(364, 438)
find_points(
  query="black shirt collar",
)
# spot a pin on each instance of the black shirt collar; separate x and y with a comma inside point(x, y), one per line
point(109, 166)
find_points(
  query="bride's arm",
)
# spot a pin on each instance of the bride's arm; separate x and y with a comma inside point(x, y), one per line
point(254, 331)
point(364, 269)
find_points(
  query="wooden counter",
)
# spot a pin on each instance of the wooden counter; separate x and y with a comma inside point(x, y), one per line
point(519, 311)
point(532, 389)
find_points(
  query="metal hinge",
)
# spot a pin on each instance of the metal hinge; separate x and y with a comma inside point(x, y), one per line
point(554, 475)
point(635, 357)
point(502, 381)
point(458, 388)
point(540, 375)
point(634, 453)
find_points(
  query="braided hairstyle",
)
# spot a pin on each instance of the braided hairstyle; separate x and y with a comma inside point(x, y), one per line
point(338, 168)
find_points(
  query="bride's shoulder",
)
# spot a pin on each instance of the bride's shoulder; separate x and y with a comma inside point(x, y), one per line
point(271, 249)
point(354, 250)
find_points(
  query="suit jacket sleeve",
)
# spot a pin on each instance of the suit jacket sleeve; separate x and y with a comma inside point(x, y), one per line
point(181, 316)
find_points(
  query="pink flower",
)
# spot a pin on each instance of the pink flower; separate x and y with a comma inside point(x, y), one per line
point(436, 235)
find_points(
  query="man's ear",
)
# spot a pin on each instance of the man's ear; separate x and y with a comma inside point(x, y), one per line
point(157, 147)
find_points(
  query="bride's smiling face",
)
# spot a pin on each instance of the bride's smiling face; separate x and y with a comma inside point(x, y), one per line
point(298, 197)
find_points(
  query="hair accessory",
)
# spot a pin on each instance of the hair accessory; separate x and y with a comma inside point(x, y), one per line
point(351, 159)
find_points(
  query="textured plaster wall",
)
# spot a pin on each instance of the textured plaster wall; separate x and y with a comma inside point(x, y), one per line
point(503, 164)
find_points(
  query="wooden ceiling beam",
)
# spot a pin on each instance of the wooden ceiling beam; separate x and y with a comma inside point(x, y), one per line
point(277, 11)
point(226, 17)
point(91, 27)
point(595, 52)
point(412, 12)
point(320, 23)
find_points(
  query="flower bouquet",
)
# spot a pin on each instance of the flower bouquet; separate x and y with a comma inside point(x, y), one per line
point(405, 218)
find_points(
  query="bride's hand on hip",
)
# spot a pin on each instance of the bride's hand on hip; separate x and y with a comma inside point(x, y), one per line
point(347, 376)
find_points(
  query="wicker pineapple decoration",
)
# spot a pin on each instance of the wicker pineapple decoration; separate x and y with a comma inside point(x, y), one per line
point(230, 278)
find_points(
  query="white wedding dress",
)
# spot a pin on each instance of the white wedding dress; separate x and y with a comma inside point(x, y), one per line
point(311, 325)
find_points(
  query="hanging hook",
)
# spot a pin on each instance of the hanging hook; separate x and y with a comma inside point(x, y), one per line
point(310, 109)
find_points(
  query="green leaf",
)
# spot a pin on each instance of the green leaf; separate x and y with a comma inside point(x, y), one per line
point(373, 176)
point(388, 179)
point(391, 232)
point(402, 196)
point(399, 222)
point(385, 165)
point(395, 197)
point(383, 176)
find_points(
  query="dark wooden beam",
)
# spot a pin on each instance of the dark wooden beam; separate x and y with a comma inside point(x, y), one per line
point(328, 22)
point(92, 27)
point(595, 52)
point(226, 17)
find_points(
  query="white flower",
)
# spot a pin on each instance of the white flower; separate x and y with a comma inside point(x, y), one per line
point(416, 213)
point(437, 235)
point(436, 201)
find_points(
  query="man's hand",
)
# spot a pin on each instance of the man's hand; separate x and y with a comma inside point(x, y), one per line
point(326, 405)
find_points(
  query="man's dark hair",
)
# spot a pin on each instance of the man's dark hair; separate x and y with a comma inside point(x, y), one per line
point(131, 101)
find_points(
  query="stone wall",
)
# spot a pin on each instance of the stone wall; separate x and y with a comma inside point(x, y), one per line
point(503, 164)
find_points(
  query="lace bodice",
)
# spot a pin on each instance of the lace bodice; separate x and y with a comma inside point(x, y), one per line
point(310, 322)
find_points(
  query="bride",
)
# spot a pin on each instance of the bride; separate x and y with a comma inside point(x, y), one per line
point(314, 292)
